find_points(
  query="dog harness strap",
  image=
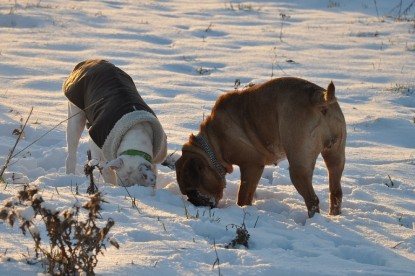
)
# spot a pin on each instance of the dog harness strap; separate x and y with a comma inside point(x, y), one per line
point(133, 152)
point(212, 157)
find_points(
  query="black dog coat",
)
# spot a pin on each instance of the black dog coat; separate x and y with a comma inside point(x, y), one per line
point(111, 104)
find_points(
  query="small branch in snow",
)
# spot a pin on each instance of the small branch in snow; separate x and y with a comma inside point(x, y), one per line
point(395, 246)
point(390, 184)
point(217, 261)
point(6, 163)
point(283, 17)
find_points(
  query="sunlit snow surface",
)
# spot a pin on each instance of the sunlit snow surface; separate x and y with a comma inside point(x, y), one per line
point(182, 56)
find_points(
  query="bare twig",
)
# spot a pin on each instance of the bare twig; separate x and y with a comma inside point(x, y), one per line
point(275, 63)
point(283, 17)
point(209, 28)
point(6, 163)
point(256, 222)
point(390, 184)
point(61, 122)
point(217, 261)
point(162, 223)
point(132, 199)
point(405, 11)
point(376, 6)
point(89, 171)
point(395, 246)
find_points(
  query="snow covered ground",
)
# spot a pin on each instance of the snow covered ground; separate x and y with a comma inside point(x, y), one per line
point(182, 55)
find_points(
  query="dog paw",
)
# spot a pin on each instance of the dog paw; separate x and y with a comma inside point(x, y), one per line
point(335, 206)
point(148, 175)
point(313, 210)
point(170, 162)
point(70, 164)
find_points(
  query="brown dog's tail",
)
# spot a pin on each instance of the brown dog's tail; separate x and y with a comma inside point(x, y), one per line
point(324, 97)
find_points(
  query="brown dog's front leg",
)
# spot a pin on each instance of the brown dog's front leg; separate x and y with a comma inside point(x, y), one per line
point(250, 176)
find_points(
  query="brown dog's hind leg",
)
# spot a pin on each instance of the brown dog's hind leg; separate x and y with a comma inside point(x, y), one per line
point(250, 176)
point(335, 165)
point(301, 177)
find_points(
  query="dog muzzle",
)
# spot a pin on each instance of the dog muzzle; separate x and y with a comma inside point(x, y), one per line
point(198, 199)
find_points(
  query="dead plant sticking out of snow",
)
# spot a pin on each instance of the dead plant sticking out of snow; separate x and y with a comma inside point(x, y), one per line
point(73, 244)
point(242, 235)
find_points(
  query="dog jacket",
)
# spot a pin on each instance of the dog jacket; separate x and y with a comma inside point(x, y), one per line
point(112, 106)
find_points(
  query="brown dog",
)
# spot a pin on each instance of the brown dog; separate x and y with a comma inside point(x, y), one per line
point(282, 118)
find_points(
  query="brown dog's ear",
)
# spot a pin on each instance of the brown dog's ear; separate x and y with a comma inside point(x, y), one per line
point(188, 173)
point(329, 94)
point(322, 98)
point(192, 139)
point(193, 168)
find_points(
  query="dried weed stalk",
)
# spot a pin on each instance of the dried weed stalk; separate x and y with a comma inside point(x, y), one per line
point(20, 134)
point(242, 235)
point(73, 244)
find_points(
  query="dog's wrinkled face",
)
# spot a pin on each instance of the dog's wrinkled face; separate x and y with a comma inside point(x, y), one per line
point(133, 170)
point(198, 180)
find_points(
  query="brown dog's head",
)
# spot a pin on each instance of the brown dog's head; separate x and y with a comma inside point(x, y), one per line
point(196, 176)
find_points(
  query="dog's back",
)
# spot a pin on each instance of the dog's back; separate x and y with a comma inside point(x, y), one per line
point(97, 85)
point(281, 109)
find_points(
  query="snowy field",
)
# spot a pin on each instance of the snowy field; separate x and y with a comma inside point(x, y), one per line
point(182, 56)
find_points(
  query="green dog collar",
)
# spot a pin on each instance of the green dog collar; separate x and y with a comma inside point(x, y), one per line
point(133, 152)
